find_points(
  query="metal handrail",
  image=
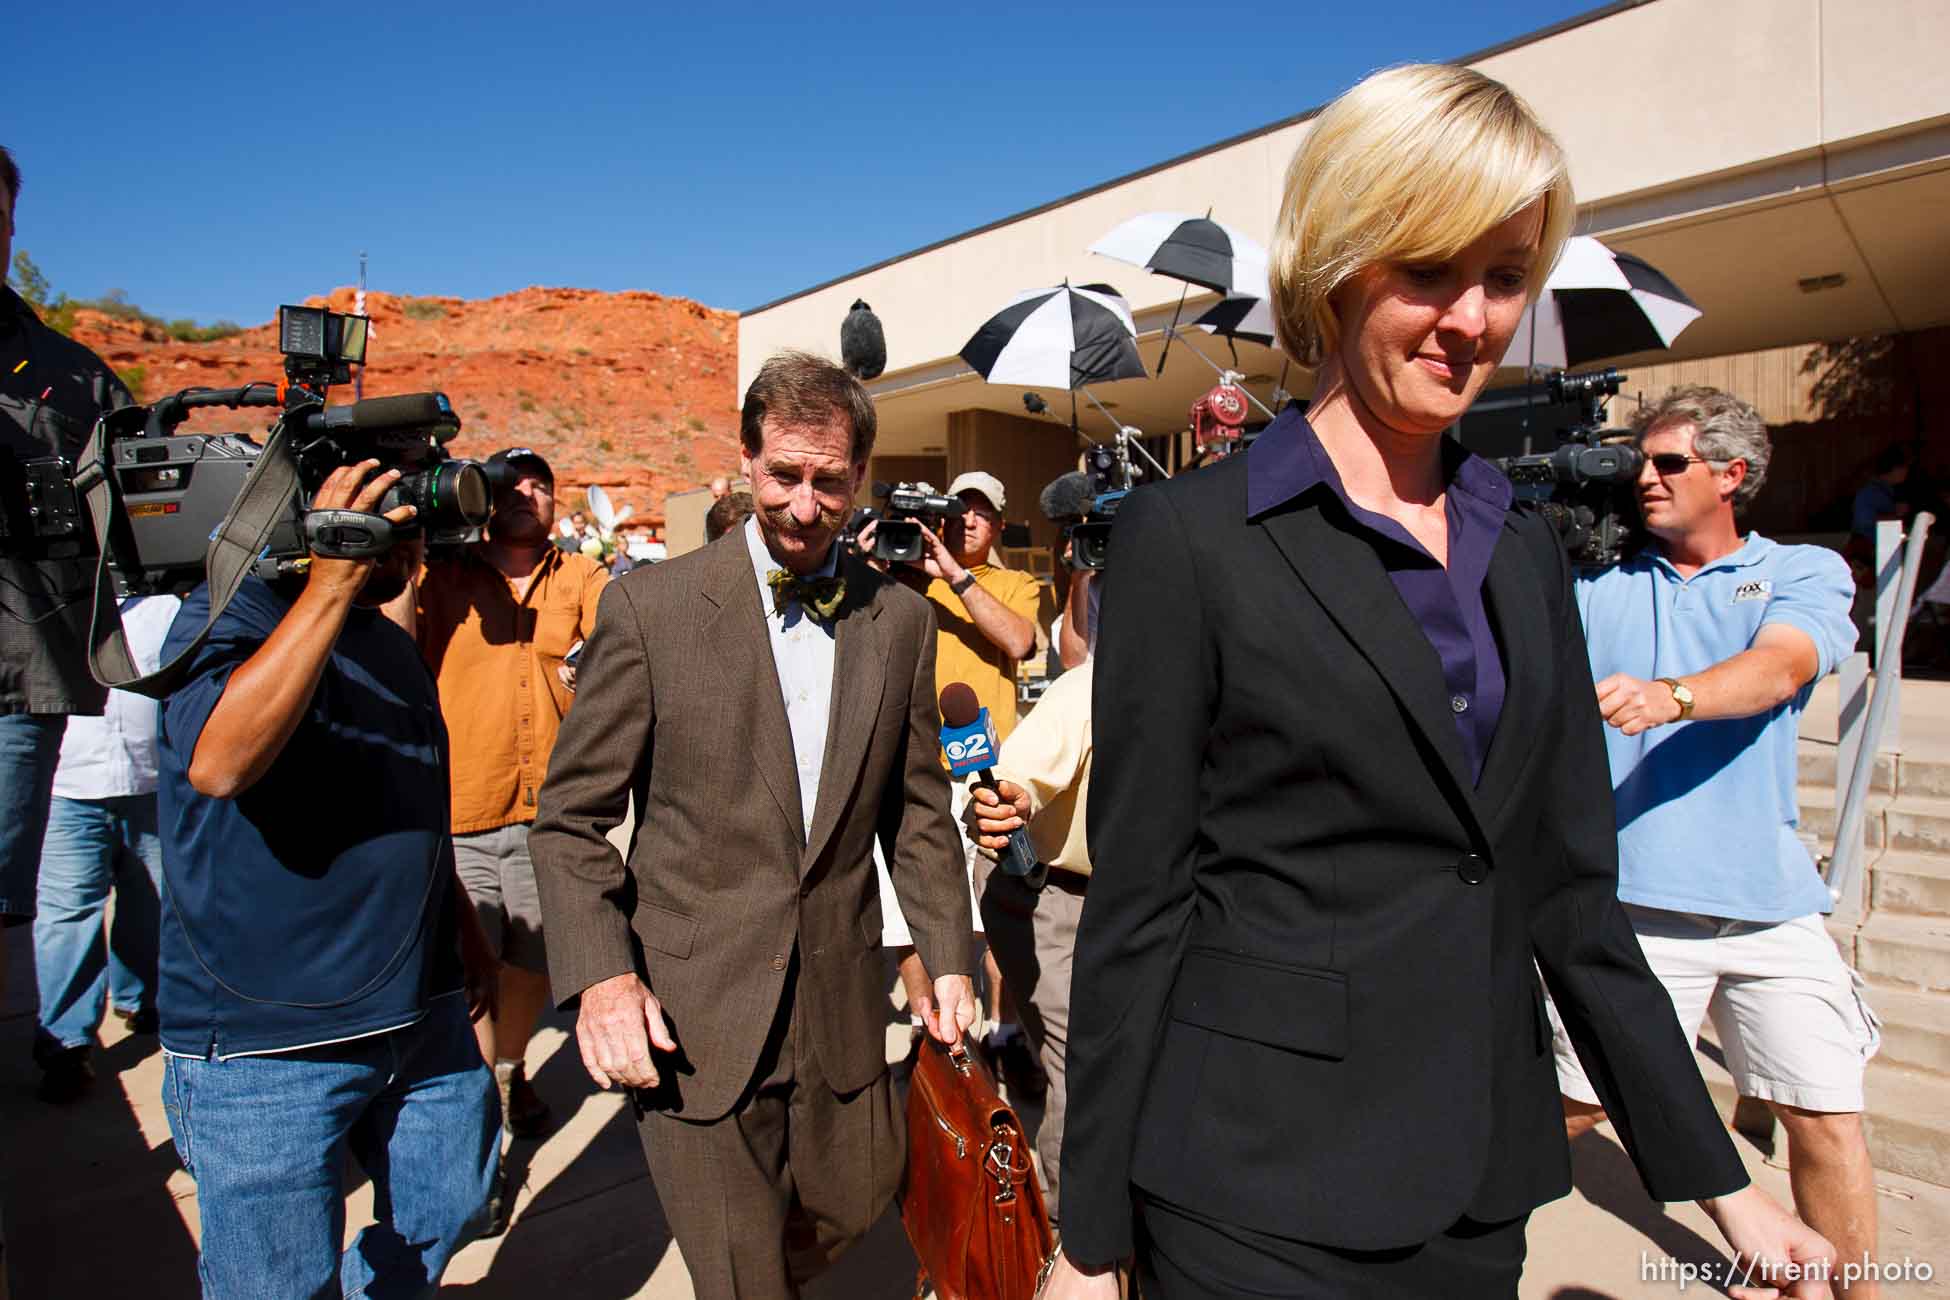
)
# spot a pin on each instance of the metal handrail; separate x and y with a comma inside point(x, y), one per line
point(1845, 867)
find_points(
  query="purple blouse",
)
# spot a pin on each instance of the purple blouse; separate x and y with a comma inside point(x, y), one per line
point(1287, 459)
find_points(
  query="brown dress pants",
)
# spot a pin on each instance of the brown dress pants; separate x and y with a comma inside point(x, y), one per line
point(768, 1196)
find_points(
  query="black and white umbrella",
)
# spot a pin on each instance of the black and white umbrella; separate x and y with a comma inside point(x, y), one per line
point(1241, 316)
point(1063, 337)
point(1197, 250)
point(1599, 303)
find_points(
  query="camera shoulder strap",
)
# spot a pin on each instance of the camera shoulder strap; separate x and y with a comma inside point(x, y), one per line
point(264, 500)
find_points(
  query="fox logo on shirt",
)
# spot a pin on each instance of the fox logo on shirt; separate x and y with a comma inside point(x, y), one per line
point(1759, 589)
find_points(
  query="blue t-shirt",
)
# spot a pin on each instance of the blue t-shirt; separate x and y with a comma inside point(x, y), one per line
point(1707, 809)
point(316, 906)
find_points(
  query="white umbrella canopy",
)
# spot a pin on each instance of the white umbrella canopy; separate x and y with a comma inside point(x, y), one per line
point(1195, 249)
point(1061, 337)
point(1599, 303)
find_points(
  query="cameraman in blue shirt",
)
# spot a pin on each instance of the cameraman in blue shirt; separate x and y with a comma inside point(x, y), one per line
point(1705, 648)
point(312, 995)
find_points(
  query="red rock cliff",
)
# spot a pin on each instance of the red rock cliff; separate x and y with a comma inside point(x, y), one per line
point(633, 391)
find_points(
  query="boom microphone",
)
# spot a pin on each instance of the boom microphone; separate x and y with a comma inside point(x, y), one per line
point(1068, 496)
point(968, 739)
point(863, 344)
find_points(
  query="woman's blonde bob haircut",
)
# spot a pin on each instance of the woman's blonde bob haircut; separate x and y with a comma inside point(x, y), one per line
point(1413, 164)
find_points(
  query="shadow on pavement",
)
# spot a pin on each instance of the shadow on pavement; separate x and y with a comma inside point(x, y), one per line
point(1602, 1171)
point(87, 1205)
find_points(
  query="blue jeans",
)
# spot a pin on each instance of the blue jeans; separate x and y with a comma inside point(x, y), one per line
point(30, 745)
point(265, 1139)
point(93, 845)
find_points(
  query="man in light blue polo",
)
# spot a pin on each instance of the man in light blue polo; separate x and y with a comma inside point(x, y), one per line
point(1705, 649)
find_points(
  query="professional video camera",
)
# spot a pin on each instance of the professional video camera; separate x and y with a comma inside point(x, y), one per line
point(1090, 540)
point(171, 495)
point(897, 534)
point(1585, 487)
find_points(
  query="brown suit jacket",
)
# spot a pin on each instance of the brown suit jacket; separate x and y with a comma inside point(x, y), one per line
point(678, 704)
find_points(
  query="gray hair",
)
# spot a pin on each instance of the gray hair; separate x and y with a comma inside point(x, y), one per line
point(1726, 429)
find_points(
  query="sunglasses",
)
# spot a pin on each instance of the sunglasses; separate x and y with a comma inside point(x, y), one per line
point(1668, 463)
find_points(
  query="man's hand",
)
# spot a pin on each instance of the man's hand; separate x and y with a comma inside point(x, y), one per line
point(566, 674)
point(482, 969)
point(620, 1021)
point(1787, 1257)
point(1634, 706)
point(953, 1009)
point(347, 488)
point(1068, 1282)
point(947, 1006)
point(937, 561)
point(992, 814)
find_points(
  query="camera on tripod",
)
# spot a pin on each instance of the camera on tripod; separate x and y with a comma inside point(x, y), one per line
point(897, 532)
point(173, 494)
point(1586, 487)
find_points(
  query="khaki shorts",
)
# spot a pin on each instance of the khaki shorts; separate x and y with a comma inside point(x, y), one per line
point(499, 877)
point(1790, 1012)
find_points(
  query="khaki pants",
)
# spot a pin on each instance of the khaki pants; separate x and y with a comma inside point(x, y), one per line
point(1034, 938)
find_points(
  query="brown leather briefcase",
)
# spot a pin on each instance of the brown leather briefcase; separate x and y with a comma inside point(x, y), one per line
point(970, 1201)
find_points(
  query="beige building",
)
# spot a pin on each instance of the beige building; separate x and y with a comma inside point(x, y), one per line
point(1786, 162)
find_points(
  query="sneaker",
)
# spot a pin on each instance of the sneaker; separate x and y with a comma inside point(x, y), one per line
point(143, 1021)
point(66, 1076)
point(1017, 1066)
point(523, 1113)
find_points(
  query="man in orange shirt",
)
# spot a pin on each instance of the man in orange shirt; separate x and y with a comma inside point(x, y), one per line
point(496, 623)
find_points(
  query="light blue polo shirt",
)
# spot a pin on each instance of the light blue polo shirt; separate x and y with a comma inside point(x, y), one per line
point(1707, 810)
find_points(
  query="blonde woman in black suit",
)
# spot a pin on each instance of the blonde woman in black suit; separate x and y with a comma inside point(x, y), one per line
point(1351, 792)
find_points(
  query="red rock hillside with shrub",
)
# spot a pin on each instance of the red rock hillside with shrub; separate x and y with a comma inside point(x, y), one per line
point(633, 391)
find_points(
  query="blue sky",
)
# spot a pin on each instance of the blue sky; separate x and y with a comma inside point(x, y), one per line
point(214, 160)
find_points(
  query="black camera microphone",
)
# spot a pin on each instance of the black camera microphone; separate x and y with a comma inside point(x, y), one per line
point(863, 344)
point(429, 411)
point(1068, 496)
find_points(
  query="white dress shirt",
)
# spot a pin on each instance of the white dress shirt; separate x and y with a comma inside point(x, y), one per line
point(115, 754)
point(802, 650)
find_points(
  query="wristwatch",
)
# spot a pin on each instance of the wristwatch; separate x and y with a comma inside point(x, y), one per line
point(1682, 695)
point(963, 583)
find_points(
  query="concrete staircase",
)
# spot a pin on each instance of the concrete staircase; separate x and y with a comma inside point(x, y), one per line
point(1900, 943)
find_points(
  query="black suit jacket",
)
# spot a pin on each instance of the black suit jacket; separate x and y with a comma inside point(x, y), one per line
point(1304, 996)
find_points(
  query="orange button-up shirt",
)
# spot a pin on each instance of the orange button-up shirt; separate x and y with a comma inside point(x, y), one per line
point(494, 655)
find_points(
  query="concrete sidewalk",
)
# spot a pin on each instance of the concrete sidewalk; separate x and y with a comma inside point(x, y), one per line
point(96, 1204)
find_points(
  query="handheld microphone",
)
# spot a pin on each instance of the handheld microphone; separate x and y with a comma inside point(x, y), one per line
point(968, 739)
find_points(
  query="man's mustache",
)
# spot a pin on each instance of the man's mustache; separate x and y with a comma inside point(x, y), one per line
point(779, 519)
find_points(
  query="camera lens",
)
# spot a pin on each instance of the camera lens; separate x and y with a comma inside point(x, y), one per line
point(446, 494)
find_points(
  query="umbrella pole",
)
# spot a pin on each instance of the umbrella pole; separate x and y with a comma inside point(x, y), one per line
point(1171, 330)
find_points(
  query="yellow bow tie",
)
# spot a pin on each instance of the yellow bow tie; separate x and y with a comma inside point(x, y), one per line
point(819, 597)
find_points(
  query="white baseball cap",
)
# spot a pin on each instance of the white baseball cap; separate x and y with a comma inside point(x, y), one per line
point(976, 480)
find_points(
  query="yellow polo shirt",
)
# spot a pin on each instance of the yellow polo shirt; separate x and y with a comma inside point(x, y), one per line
point(963, 654)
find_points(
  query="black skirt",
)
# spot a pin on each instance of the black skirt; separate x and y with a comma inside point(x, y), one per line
point(1182, 1255)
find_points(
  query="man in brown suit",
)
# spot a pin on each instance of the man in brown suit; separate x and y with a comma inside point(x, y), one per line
point(769, 705)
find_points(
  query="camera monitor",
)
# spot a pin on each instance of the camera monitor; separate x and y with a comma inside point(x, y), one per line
point(316, 334)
